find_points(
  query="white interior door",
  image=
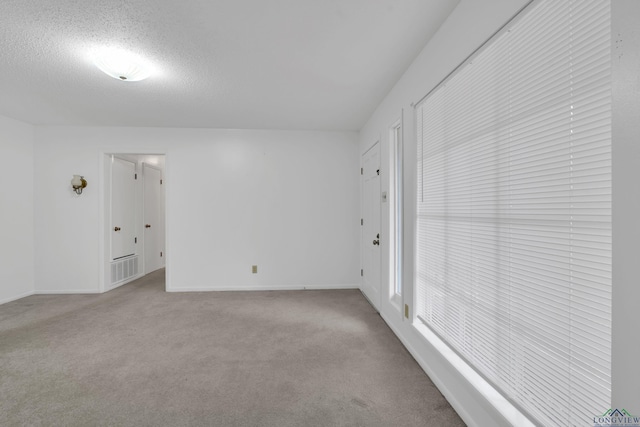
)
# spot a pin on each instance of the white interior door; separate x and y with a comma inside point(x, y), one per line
point(371, 225)
point(153, 219)
point(123, 208)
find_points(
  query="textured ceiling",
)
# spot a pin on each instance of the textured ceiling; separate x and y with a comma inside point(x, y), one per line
point(270, 64)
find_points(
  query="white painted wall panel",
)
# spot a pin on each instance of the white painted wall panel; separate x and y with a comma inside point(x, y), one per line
point(16, 209)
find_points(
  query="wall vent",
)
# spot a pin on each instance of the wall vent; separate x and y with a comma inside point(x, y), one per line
point(124, 269)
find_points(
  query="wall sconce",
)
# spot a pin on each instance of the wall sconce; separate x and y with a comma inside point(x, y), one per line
point(78, 183)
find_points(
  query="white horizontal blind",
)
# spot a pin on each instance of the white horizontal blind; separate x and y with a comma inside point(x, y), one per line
point(514, 211)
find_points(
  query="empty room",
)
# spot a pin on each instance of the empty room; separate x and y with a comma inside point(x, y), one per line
point(320, 213)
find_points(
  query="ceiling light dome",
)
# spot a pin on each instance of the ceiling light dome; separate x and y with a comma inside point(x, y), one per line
point(122, 65)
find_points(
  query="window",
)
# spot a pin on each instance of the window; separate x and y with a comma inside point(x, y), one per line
point(514, 211)
point(396, 213)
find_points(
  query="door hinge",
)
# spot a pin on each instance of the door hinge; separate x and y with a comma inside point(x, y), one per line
point(361, 272)
point(406, 311)
point(135, 240)
point(160, 182)
point(361, 171)
point(135, 176)
point(361, 221)
point(160, 254)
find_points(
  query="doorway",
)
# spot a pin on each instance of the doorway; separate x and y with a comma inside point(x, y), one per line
point(134, 217)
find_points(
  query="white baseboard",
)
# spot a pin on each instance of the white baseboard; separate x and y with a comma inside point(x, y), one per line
point(262, 288)
point(66, 291)
point(16, 297)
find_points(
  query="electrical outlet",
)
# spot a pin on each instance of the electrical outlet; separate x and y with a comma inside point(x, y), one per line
point(254, 269)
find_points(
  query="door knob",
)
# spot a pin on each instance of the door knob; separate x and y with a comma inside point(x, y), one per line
point(147, 226)
point(376, 242)
point(116, 229)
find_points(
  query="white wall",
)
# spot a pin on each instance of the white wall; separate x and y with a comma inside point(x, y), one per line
point(625, 372)
point(16, 209)
point(470, 24)
point(284, 200)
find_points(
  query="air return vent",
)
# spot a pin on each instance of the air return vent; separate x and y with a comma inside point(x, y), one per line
point(124, 270)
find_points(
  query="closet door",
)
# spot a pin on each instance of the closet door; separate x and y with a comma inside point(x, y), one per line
point(153, 218)
point(371, 256)
point(123, 208)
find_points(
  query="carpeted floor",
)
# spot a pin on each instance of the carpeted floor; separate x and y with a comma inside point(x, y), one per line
point(137, 356)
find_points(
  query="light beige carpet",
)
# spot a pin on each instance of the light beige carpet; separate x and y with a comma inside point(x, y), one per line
point(137, 356)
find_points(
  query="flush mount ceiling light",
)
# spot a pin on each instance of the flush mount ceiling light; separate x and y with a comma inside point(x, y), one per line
point(122, 65)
